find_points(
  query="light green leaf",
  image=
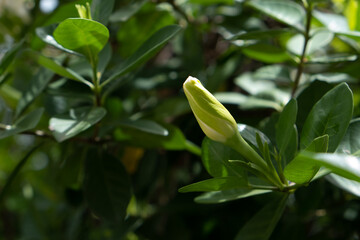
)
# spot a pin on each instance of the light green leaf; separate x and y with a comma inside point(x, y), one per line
point(350, 186)
point(333, 77)
point(330, 115)
point(215, 184)
point(263, 223)
point(266, 53)
point(318, 40)
point(343, 165)
point(77, 121)
point(228, 195)
point(334, 22)
point(106, 186)
point(335, 58)
point(146, 51)
point(287, 12)
point(26, 122)
point(84, 36)
point(300, 171)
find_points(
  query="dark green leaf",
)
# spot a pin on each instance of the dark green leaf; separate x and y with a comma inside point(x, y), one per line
point(228, 195)
point(263, 223)
point(330, 115)
point(101, 10)
point(38, 84)
point(263, 34)
point(27, 122)
point(209, 2)
point(83, 36)
point(146, 51)
point(75, 122)
point(215, 184)
point(144, 125)
point(285, 130)
point(124, 13)
point(9, 56)
point(350, 144)
point(107, 186)
point(215, 158)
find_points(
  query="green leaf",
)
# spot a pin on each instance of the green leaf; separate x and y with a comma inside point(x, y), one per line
point(107, 186)
point(266, 53)
point(75, 122)
point(350, 186)
point(333, 77)
point(262, 34)
point(246, 102)
point(300, 171)
point(37, 86)
point(140, 137)
point(209, 2)
point(101, 10)
point(215, 158)
point(346, 166)
point(58, 69)
point(215, 184)
point(287, 12)
point(330, 115)
point(335, 58)
point(285, 131)
point(46, 35)
point(263, 223)
point(334, 22)
point(27, 122)
point(350, 144)
point(84, 36)
point(124, 13)
point(146, 51)
point(228, 195)
point(318, 40)
point(144, 125)
point(9, 56)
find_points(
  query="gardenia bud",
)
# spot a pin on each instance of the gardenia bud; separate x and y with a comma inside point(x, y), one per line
point(214, 119)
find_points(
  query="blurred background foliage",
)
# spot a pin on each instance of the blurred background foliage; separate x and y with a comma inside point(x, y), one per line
point(239, 52)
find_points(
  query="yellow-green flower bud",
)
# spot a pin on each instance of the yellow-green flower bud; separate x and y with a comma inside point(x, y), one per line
point(214, 119)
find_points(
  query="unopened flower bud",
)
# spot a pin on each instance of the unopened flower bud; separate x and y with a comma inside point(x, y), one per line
point(214, 119)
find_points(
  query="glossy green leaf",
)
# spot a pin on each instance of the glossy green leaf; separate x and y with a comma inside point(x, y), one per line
point(144, 125)
point(276, 73)
point(46, 35)
point(106, 186)
point(174, 140)
point(228, 195)
point(287, 12)
point(300, 171)
point(246, 102)
point(75, 122)
point(334, 22)
point(350, 186)
point(263, 223)
point(266, 53)
point(146, 51)
point(84, 36)
point(333, 77)
point(215, 158)
point(331, 115)
point(215, 184)
point(101, 10)
point(318, 40)
point(37, 86)
point(24, 123)
point(285, 127)
point(343, 165)
point(249, 134)
point(350, 144)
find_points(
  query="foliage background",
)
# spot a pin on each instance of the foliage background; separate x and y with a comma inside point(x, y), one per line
point(48, 200)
